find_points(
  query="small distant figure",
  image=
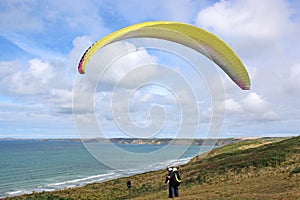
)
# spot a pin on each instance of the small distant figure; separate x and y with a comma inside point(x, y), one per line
point(128, 183)
point(168, 179)
point(175, 181)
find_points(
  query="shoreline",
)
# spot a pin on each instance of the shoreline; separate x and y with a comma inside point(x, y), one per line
point(100, 178)
point(96, 178)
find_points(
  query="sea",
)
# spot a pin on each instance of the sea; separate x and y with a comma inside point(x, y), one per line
point(28, 166)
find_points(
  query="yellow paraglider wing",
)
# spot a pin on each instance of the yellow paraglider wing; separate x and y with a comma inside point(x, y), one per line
point(196, 38)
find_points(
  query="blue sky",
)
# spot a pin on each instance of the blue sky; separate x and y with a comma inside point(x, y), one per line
point(41, 43)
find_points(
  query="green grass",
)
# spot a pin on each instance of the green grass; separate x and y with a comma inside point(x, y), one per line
point(296, 170)
point(250, 169)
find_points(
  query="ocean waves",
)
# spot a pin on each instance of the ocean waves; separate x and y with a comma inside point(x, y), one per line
point(37, 166)
point(78, 182)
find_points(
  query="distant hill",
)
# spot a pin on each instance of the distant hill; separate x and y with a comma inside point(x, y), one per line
point(211, 142)
point(159, 141)
point(154, 141)
point(264, 168)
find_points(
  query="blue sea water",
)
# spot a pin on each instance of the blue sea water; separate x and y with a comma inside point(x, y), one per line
point(47, 165)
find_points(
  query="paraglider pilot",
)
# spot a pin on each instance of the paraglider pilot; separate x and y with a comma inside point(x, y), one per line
point(174, 182)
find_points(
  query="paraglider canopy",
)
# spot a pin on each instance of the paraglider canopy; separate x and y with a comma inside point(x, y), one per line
point(196, 38)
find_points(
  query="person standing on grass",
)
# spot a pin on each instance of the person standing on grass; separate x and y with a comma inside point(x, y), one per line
point(168, 179)
point(128, 183)
point(175, 181)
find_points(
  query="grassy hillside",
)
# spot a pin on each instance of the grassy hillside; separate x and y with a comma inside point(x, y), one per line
point(251, 169)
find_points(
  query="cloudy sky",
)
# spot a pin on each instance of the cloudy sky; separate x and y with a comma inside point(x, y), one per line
point(41, 43)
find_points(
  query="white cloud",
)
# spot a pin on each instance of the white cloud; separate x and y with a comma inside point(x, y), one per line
point(121, 63)
point(33, 81)
point(232, 106)
point(259, 108)
point(263, 20)
point(48, 78)
point(251, 27)
point(255, 103)
point(132, 68)
point(37, 82)
point(104, 71)
point(251, 108)
point(60, 100)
